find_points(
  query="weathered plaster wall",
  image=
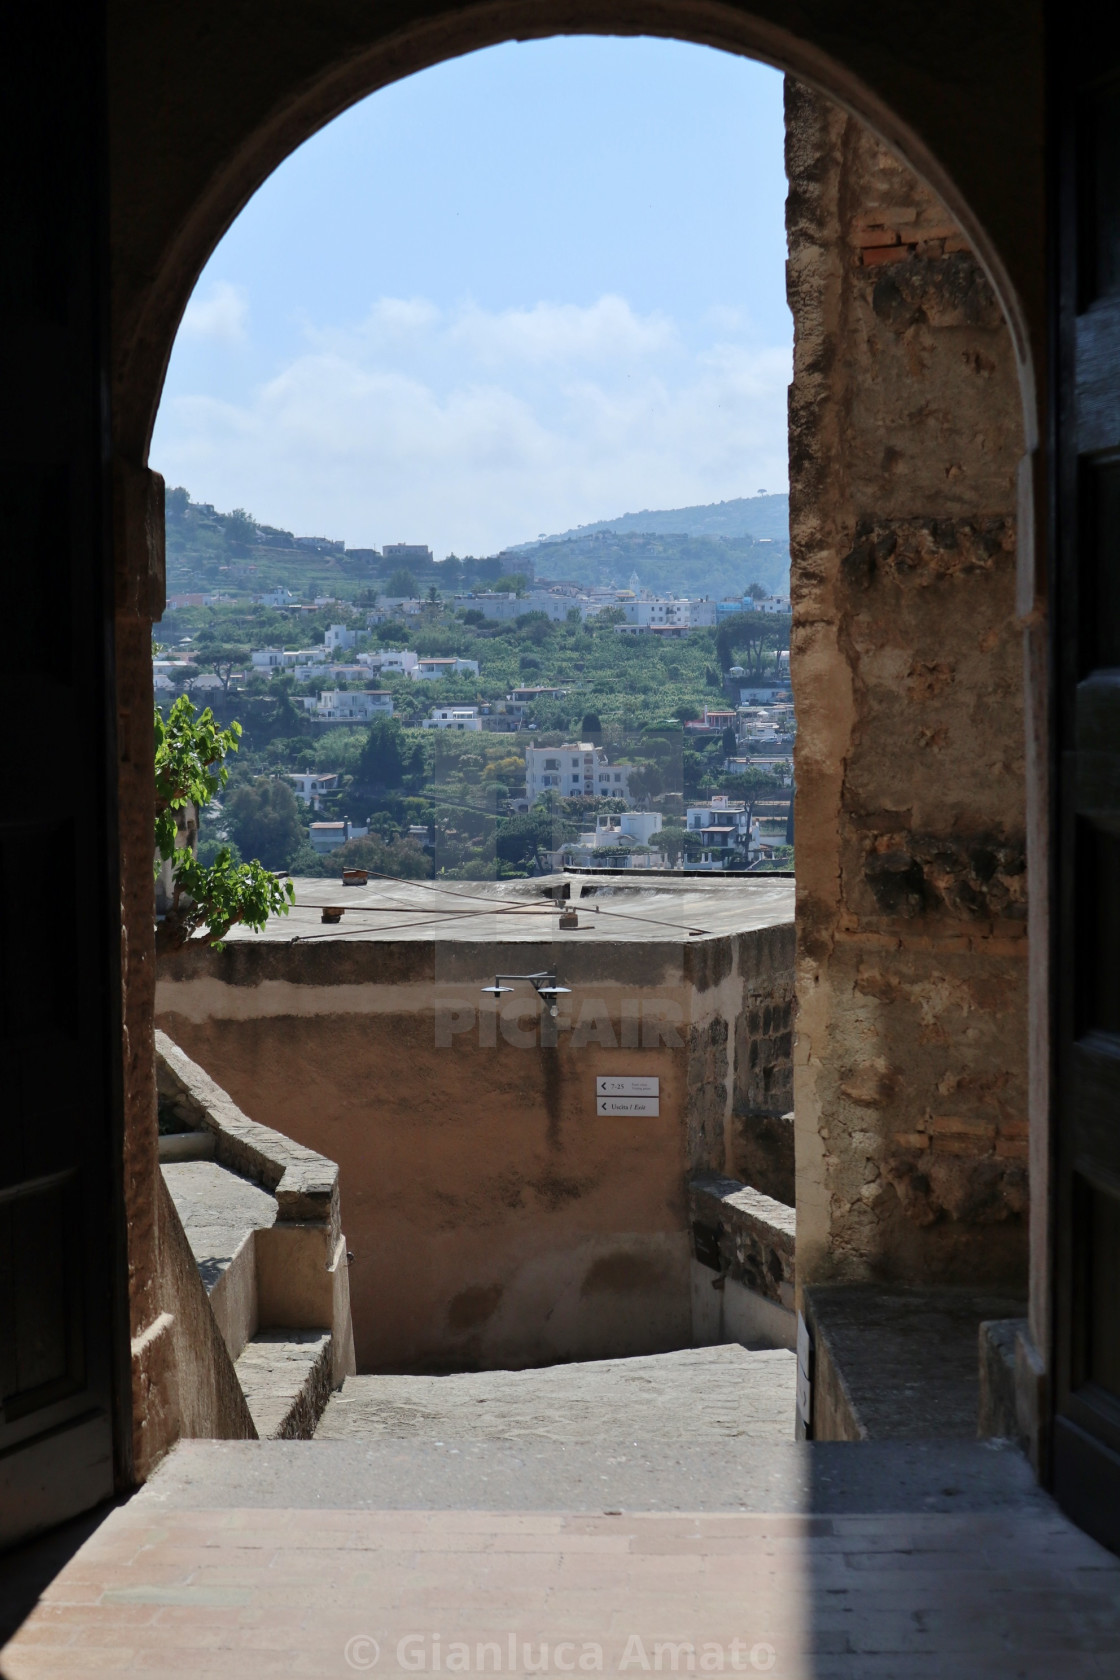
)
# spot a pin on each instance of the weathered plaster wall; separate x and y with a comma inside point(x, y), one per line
point(494, 1217)
point(905, 437)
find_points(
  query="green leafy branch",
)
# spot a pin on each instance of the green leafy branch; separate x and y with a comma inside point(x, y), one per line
point(191, 770)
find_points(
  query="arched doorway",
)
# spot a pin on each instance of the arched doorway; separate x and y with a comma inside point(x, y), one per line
point(200, 114)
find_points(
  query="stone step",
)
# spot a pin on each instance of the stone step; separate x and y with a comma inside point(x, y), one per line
point(285, 1376)
point(706, 1395)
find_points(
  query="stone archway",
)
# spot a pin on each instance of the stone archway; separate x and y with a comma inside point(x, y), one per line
point(243, 100)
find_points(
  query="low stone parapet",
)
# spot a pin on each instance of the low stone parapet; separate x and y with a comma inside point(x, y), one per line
point(746, 1236)
point(304, 1182)
point(294, 1269)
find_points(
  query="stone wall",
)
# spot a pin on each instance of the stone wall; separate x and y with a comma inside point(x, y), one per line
point(905, 436)
point(495, 1217)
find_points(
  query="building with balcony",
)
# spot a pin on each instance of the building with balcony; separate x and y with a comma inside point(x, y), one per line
point(723, 833)
point(454, 717)
point(311, 785)
point(430, 670)
point(577, 770)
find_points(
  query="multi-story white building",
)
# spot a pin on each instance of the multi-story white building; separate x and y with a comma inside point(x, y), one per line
point(337, 636)
point(454, 717)
point(577, 770)
point(402, 661)
point(311, 785)
point(637, 826)
point(430, 670)
point(727, 835)
point(659, 612)
point(349, 705)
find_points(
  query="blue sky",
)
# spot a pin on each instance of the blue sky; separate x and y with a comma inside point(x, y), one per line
point(533, 287)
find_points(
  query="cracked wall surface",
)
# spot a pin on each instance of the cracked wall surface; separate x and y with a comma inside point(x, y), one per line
point(910, 1075)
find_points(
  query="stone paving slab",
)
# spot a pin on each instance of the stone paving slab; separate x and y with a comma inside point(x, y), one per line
point(233, 1591)
point(696, 1395)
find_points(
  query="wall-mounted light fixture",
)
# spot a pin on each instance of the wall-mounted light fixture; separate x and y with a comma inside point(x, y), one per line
point(543, 984)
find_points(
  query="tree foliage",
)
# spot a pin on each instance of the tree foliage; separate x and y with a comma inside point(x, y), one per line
point(750, 635)
point(402, 585)
point(521, 838)
point(671, 841)
point(221, 657)
point(209, 899)
point(383, 758)
point(262, 816)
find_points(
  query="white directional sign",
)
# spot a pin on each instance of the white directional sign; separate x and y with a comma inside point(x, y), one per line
point(628, 1094)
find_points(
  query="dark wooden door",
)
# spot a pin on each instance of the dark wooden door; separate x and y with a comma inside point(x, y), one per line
point(61, 1325)
point(1087, 616)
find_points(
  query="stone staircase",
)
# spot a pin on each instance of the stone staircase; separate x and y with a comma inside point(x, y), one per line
point(260, 1214)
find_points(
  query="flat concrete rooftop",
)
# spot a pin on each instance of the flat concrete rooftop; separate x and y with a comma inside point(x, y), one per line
point(523, 910)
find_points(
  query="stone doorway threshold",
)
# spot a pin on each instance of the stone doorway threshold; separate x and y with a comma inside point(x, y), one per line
point(636, 1542)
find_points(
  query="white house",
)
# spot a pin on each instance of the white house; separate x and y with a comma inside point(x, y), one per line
point(268, 659)
point(578, 770)
point(274, 598)
point(659, 612)
point(504, 607)
point(400, 660)
point(429, 670)
point(349, 705)
point(637, 826)
point(329, 836)
point(727, 834)
point(311, 785)
point(337, 636)
point(454, 717)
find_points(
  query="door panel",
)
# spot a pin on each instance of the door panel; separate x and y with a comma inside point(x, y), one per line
point(1086, 601)
point(62, 1330)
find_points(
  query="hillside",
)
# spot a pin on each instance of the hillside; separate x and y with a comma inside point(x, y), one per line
point(744, 516)
point(716, 550)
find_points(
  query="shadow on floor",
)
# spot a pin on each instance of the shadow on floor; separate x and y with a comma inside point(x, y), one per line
point(28, 1569)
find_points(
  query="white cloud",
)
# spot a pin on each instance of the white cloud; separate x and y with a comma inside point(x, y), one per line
point(551, 333)
point(223, 316)
point(471, 429)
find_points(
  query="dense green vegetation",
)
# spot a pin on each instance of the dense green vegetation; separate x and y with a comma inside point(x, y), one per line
point(631, 694)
